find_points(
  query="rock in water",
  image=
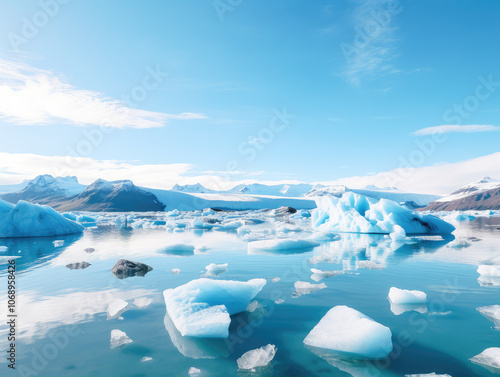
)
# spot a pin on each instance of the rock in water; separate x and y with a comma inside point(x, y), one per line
point(202, 307)
point(347, 330)
point(32, 220)
point(125, 268)
point(118, 338)
point(78, 265)
point(284, 211)
point(259, 357)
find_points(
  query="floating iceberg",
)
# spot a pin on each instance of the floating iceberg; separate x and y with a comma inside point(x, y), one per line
point(202, 307)
point(194, 372)
point(118, 338)
point(145, 359)
point(491, 312)
point(281, 245)
point(116, 308)
point(142, 302)
point(259, 357)
point(354, 213)
point(33, 220)
point(489, 270)
point(175, 271)
point(319, 274)
point(304, 287)
point(346, 330)
point(215, 270)
point(489, 358)
point(427, 375)
point(405, 297)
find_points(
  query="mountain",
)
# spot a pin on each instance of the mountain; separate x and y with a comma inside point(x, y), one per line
point(112, 196)
point(45, 189)
point(290, 190)
point(411, 200)
point(480, 195)
point(196, 188)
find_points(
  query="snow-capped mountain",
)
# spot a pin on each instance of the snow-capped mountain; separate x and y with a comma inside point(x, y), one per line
point(45, 188)
point(290, 190)
point(196, 188)
point(412, 200)
point(480, 195)
point(112, 196)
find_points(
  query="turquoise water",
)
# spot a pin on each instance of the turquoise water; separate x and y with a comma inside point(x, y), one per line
point(64, 329)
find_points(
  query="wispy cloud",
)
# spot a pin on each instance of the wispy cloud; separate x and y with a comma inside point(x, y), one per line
point(373, 47)
point(33, 96)
point(449, 128)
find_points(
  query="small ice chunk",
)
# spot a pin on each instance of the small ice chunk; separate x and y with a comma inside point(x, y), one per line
point(146, 359)
point(202, 307)
point(201, 249)
point(489, 270)
point(344, 329)
point(215, 270)
point(459, 243)
point(253, 306)
point(304, 287)
point(489, 358)
point(259, 357)
point(319, 274)
point(275, 280)
point(142, 302)
point(278, 245)
point(491, 312)
point(194, 371)
point(58, 243)
point(427, 375)
point(279, 301)
point(405, 297)
point(118, 338)
point(3, 249)
point(371, 265)
point(232, 225)
point(176, 270)
point(116, 307)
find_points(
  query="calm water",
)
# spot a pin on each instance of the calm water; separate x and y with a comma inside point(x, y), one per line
point(65, 330)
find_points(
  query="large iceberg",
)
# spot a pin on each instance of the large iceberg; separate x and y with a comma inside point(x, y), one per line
point(354, 213)
point(202, 307)
point(489, 358)
point(33, 220)
point(349, 331)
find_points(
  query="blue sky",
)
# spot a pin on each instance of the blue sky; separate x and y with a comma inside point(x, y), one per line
point(226, 70)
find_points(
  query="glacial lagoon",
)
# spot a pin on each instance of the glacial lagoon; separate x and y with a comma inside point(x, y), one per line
point(64, 328)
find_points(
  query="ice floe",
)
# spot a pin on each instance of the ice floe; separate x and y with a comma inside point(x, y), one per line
point(142, 302)
point(489, 358)
point(259, 357)
point(349, 331)
point(145, 359)
point(33, 220)
point(281, 245)
point(119, 338)
point(214, 270)
point(179, 249)
point(491, 312)
point(193, 372)
point(406, 297)
point(356, 213)
point(304, 287)
point(116, 308)
point(175, 271)
point(489, 270)
point(319, 274)
point(203, 307)
point(433, 374)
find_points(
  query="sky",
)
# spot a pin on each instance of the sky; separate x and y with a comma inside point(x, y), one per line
point(391, 93)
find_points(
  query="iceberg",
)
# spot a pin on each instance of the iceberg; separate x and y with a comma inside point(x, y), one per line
point(489, 270)
point(142, 302)
point(405, 297)
point(175, 271)
point(116, 308)
point(320, 274)
point(304, 287)
point(349, 331)
point(491, 312)
point(259, 357)
point(202, 307)
point(145, 359)
point(489, 358)
point(354, 213)
point(194, 372)
point(427, 375)
point(281, 245)
point(119, 338)
point(33, 220)
point(215, 270)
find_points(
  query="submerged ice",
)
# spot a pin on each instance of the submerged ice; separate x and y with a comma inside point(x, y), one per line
point(259, 357)
point(202, 307)
point(356, 213)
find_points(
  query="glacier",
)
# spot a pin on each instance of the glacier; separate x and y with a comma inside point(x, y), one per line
point(346, 330)
point(202, 307)
point(354, 213)
point(33, 220)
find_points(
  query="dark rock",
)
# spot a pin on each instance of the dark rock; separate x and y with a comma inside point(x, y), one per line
point(89, 250)
point(284, 211)
point(125, 269)
point(210, 220)
point(78, 265)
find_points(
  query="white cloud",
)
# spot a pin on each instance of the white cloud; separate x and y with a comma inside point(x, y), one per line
point(438, 179)
point(29, 95)
point(372, 49)
point(448, 128)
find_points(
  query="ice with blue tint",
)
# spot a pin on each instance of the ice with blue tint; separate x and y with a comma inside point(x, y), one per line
point(405, 297)
point(349, 331)
point(280, 245)
point(202, 307)
point(33, 220)
point(354, 213)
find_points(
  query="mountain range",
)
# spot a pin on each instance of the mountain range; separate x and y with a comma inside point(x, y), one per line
point(67, 194)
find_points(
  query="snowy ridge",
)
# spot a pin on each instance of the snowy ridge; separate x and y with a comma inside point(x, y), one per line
point(482, 185)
